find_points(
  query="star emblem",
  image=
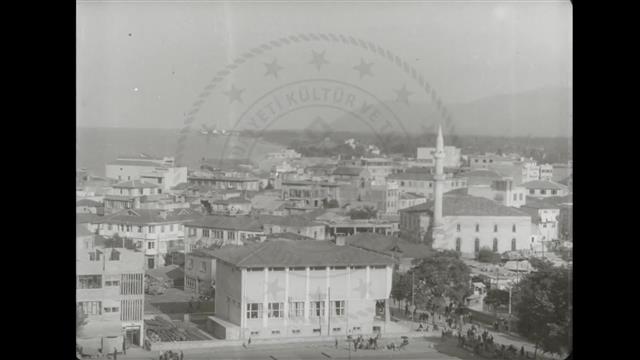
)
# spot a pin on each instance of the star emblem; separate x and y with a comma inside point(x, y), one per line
point(364, 68)
point(234, 94)
point(273, 68)
point(318, 59)
point(403, 95)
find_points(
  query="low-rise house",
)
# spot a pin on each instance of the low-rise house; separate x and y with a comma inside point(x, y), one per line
point(156, 232)
point(286, 289)
point(358, 177)
point(541, 189)
point(246, 183)
point(310, 193)
point(219, 230)
point(127, 195)
point(501, 190)
point(295, 224)
point(232, 206)
point(87, 206)
point(161, 172)
point(423, 182)
point(408, 199)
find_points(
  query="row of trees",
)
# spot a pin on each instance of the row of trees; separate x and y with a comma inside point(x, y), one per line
point(542, 300)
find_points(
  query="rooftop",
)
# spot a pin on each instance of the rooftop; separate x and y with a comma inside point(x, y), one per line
point(88, 202)
point(543, 184)
point(141, 162)
point(309, 182)
point(389, 245)
point(223, 178)
point(242, 222)
point(282, 252)
point(348, 170)
point(466, 205)
point(293, 220)
point(135, 184)
point(149, 216)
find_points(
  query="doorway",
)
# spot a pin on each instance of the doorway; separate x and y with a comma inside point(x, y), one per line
point(151, 263)
point(132, 336)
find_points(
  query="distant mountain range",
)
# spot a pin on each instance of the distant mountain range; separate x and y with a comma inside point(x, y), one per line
point(545, 112)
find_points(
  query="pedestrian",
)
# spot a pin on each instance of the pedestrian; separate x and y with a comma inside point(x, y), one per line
point(161, 355)
point(115, 354)
point(522, 351)
point(181, 355)
point(249, 342)
point(406, 309)
point(336, 343)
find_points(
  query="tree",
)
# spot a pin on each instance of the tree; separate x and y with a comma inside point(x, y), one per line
point(441, 276)
point(81, 319)
point(401, 289)
point(368, 212)
point(543, 305)
point(485, 255)
point(333, 203)
point(496, 298)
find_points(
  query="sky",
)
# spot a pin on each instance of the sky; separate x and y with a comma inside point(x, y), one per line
point(143, 64)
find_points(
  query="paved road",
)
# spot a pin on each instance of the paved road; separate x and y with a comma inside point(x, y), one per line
point(417, 349)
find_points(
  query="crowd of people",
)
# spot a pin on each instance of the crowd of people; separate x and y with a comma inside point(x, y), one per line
point(170, 355)
point(483, 344)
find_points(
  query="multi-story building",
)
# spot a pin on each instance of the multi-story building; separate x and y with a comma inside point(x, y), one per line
point(310, 193)
point(408, 199)
point(162, 172)
point(156, 232)
point(199, 272)
point(561, 171)
point(470, 223)
point(545, 216)
point(530, 171)
point(503, 191)
point(110, 292)
point(284, 289)
point(385, 196)
point(546, 172)
point(128, 194)
point(452, 156)
point(227, 182)
point(219, 230)
point(541, 189)
point(358, 177)
point(231, 206)
point(423, 183)
point(485, 161)
point(284, 154)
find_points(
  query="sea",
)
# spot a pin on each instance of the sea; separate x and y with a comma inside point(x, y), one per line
point(95, 147)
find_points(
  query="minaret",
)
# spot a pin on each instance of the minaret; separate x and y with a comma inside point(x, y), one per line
point(439, 177)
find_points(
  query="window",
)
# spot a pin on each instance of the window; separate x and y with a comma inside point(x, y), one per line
point(513, 228)
point(495, 228)
point(203, 266)
point(276, 310)
point(94, 256)
point(112, 283)
point(255, 333)
point(521, 195)
point(192, 231)
point(205, 232)
point(109, 227)
point(139, 229)
point(254, 311)
point(171, 227)
point(162, 228)
point(151, 245)
point(477, 227)
point(190, 263)
point(317, 308)
point(531, 191)
point(107, 309)
point(543, 192)
point(316, 331)
point(231, 235)
point(338, 307)
point(295, 331)
point(554, 192)
point(89, 282)
point(152, 229)
point(296, 309)
point(495, 245)
point(513, 244)
point(458, 227)
point(336, 329)
point(275, 332)
point(91, 307)
point(477, 245)
point(458, 244)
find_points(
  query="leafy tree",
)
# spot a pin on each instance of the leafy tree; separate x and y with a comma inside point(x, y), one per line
point(207, 206)
point(497, 297)
point(543, 304)
point(441, 276)
point(485, 255)
point(333, 203)
point(401, 289)
point(368, 212)
point(81, 319)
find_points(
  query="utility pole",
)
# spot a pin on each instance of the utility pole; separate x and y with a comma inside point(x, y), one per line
point(329, 317)
point(510, 300)
point(413, 297)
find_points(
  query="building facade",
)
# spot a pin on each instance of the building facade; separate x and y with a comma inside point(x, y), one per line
point(452, 157)
point(161, 172)
point(284, 289)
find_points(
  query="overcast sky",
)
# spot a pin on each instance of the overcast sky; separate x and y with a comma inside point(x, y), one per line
point(142, 64)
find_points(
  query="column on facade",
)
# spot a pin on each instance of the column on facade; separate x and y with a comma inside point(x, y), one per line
point(243, 302)
point(327, 306)
point(307, 305)
point(286, 299)
point(265, 300)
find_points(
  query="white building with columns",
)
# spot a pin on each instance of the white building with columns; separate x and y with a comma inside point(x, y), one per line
point(285, 288)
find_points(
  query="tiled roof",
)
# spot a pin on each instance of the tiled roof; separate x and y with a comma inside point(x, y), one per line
point(223, 178)
point(88, 202)
point(135, 184)
point(411, 176)
point(277, 253)
point(294, 220)
point(347, 170)
point(543, 184)
point(410, 195)
point(309, 182)
point(127, 162)
point(466, 205)
point(389, 245)
point(87, 218)
point(482, 173)
point(242, 222)
point(149, 216)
